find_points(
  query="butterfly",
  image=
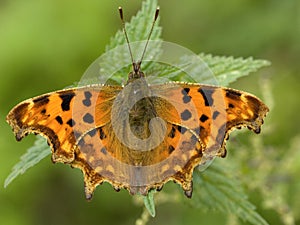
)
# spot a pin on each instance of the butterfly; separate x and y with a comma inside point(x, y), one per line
point(137, 136)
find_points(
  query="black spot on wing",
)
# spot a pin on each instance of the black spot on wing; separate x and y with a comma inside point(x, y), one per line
point(103, 150)
point(87, 100)
point(171, 149)
point(87, 94)
point(92, 133)
point(207, 95)
point(233, 94)
point(181, 129)
point(185, 91)
point(59, 120)
point(203, 118)
point(172, 132)
point(39, 101)
point(186, 97)
point(101, 133)
point(88, 118)
point(186, 115)
point(194, 140)
point(66, 100)
point(71, 122)
point(215, 114)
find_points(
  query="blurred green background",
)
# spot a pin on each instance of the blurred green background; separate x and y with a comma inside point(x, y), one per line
point(47, 45)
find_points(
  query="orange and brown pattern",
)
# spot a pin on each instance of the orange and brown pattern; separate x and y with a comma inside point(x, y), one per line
point(139, 136)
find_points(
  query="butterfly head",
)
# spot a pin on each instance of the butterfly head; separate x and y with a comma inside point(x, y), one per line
point(136, 72)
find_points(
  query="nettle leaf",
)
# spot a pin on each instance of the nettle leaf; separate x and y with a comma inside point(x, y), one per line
point(149, 202)
point(138, 31)
point(33, 156)
point(217, 189)
point(229, 69)
point(208, 69)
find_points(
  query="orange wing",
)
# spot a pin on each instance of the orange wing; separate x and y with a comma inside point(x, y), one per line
point(204, 115)
point(210, 112)
point(63, 116)
point(77, 123)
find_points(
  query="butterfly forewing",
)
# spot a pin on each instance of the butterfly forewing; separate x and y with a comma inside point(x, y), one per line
point(63, 116)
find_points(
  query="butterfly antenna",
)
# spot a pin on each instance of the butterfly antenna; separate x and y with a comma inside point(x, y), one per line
point(153, 23)
point(124, 30)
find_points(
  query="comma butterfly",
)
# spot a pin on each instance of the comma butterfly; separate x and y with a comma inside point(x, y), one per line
point(137, 136)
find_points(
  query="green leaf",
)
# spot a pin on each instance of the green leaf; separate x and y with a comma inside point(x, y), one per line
point(33, 156)
point(117, 51)
point(149, 202)
point(208, 69)
point(217, 189)
point(229, 69)
point(139, 26)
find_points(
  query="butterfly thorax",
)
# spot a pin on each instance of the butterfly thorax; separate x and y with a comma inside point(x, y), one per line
point(136, 96)
point(139, 99)
point(134, 125)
